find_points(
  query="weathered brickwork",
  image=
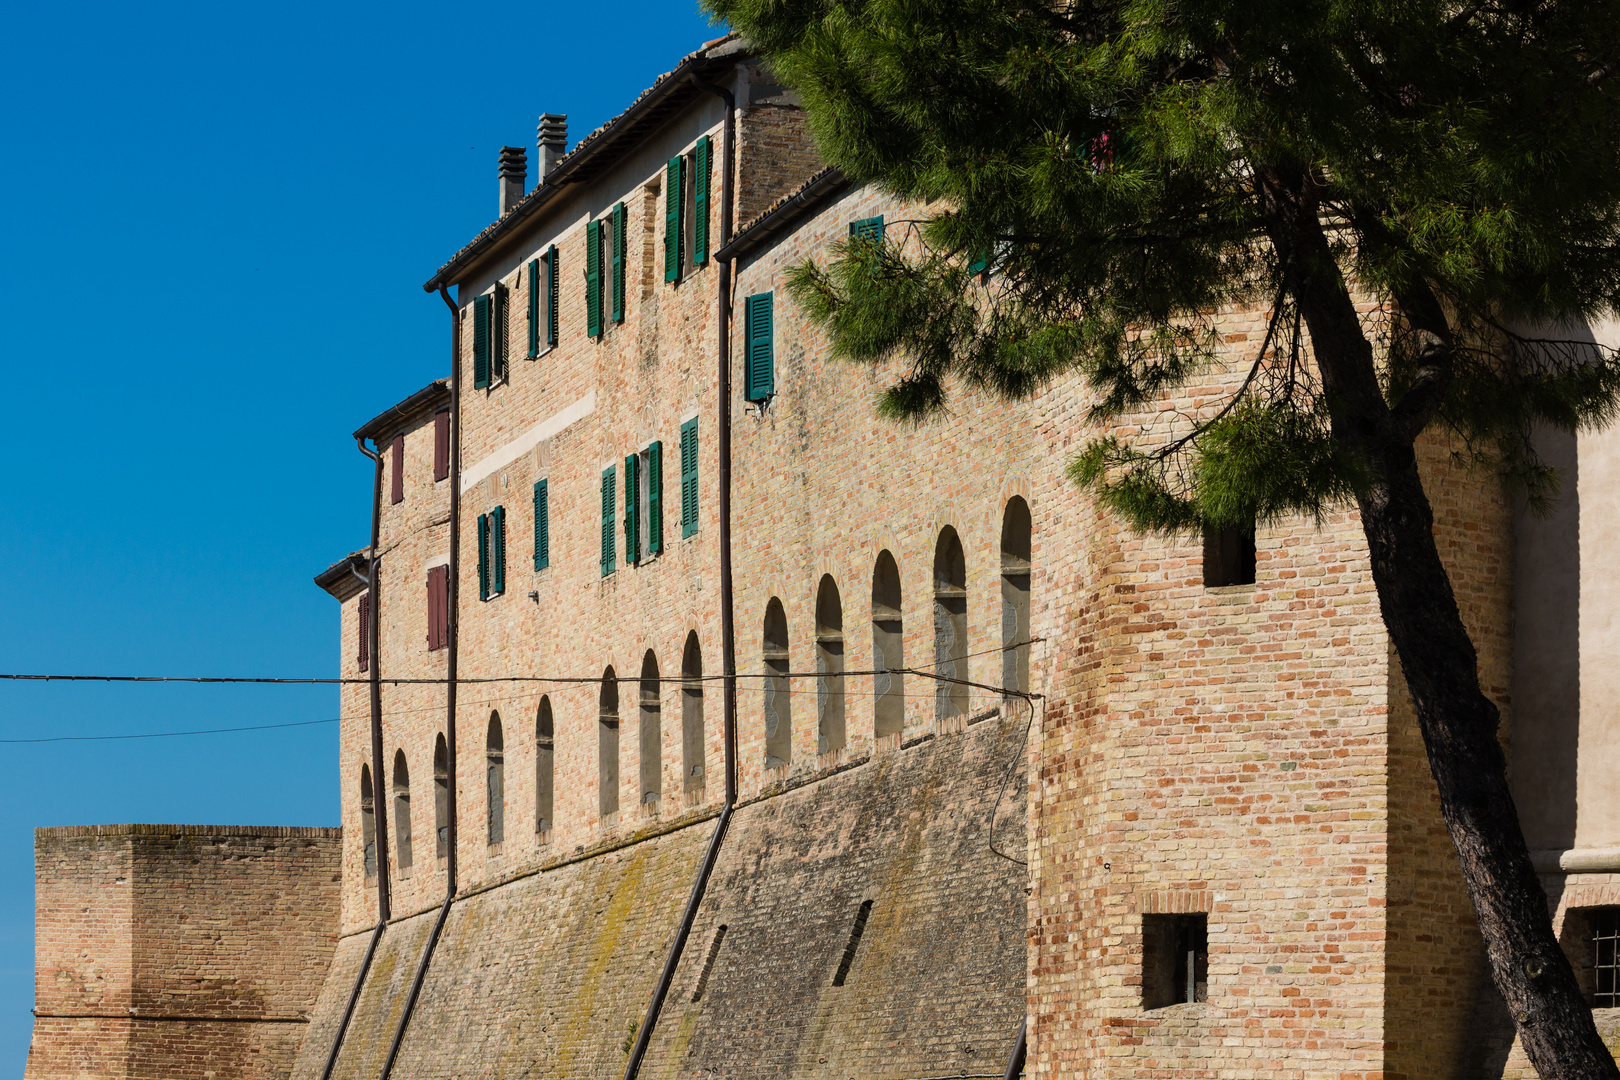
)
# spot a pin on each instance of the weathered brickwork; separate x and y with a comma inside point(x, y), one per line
point(173, 952)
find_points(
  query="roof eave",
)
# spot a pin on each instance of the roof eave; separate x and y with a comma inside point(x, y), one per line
point(425, 400)
point(785, 217)
point(338, 581)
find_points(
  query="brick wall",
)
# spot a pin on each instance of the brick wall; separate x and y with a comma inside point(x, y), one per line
point(172, 952)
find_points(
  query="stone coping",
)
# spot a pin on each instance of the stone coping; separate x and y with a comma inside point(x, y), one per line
point(285, 831)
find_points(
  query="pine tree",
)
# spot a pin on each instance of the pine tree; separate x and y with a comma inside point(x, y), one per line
point(1106, 177)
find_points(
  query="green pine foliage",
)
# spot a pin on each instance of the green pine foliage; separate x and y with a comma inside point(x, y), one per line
point(1116, 164)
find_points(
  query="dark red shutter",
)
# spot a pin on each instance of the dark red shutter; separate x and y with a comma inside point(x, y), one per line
point(438, 588)
point(441, 444)
point(398, 491)
point(365, 632)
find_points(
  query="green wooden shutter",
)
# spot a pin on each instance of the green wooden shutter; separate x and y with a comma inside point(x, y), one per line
point(619, 238)
point(593, 279)
point(534, 308)
point(700, 202)
point(551, 295)
point(608, 523)
point(979, 264)
point(867, 228)
point(632, 510)
point(655, 498)
point(542, 526)
point(483, 556)
point(760, 373)
point(497, 559)
point(481, 341)
point(500, 333)
point(689, 488)
point(674, 173)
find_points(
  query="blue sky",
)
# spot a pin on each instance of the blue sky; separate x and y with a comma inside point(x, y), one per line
point(217, 222)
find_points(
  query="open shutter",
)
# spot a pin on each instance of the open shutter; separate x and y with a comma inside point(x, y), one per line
point(497, 530)
point(674, 173)
point(761, 369)
point(632, 509)
point(542, 526)
point(481, 341)
point(483, 556)
point(619, 238)
point(534, 308)
point(700, 202)
point(608, 522)
point(363, 654)
point(551, 295)
point(689, 493)
point(396, 482)
point(655, 498)
point(501, 332)
point(593, 279)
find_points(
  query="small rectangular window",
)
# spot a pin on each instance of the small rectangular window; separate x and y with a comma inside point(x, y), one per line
point(1228, 556)
point(363, 650)
point(441, 444)
point(542, 526)
point(867, 229)
point(609, 522)
point(396, 485)
point(1175, 959)
point(759, 354)
point(689, 479)
point(1605, 937)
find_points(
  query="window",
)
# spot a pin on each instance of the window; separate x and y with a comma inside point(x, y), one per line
point(438, 598)
point(593, 279)
point(1591, 936)
point(644, 503)
point(492, 553)
point(402, 811)
point(778, 697)
point(545, 765)
point(867, 229)
point(495, 780)
point(607, 746)
point(363, 634)
point(829, 667)
point(536, 290)
point(396, 478)
point(619, 231)
point(542, 526)
point(1228, 556)
point(441, 444)
point(888, 656)
point(652, 733)
point(674, 199)
point(1015, 566)
point(950, 626)
point(490, 337)
point(687, 179)
point(1175, 959)
point(689, 481)
point(441, 798)
point(368, 824)
point(759, 372)
point(546, 311)
point(692, 748)
point(608, 521)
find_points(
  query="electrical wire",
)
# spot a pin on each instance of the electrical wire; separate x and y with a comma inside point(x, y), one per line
point(167, 734)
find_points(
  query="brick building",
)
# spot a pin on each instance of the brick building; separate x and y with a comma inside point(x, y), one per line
point(996, 758)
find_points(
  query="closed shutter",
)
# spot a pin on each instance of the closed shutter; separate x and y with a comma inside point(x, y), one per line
point(701, 168)
point(542, 526)
point(760, 373)
point(438, 581)
point(655, 498)
point(441, 444)
point(608, 522)
point(551, 295)
point(396, 482)
point(483, 556)
point(481, 341)
point(980, 263)
point(867, 229)
point(534, 308)
point(501, 332)
point(619, 227)
point(497, 531)
point(593, 279)
point(674, 252)
point(689, 488)
point(364, 653)
point(632, 509)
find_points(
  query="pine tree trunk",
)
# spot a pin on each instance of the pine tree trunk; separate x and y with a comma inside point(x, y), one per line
point(1458, 722)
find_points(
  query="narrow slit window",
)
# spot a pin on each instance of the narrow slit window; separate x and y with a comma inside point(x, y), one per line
point(829, 667)
point(495, 779)
point(950, 627)
point(652, 733)
point(778, 698)
point(368, 824)
point(888, 649)
point(855, 934)
point(544, 767)
point(441, 798)
point(607, 761)
point(692, 748)
point(1015, 570)
point(402, 811)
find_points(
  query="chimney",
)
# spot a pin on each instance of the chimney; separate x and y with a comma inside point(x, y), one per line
point(553, 142)
point(514, 173)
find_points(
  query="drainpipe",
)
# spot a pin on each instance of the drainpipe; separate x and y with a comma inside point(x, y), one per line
point(454, 591)
point(1015, 1063)
point(354, 997)
point(727, 635)
point(379, 806)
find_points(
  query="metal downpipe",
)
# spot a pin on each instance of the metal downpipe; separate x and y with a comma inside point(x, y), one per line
point(1015, 1063)
point(727, 635)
